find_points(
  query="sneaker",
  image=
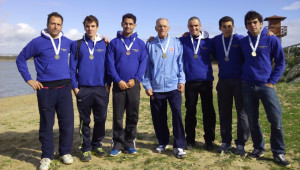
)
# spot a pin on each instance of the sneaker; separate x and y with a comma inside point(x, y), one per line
point(162, 148)
point(240, 150)
point(224, 148)
point(131, 151)
point(67, 159)
point(256, 153)
point(99, 152)
point(86, 156)
point(209, 146)
point(45, 164)
point(281, 160)
point(179, 153)
point(114, 152)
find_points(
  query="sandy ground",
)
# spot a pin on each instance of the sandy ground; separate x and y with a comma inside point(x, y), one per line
point(20, 147)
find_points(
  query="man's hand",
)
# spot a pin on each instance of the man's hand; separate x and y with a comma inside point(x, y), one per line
point(185, 34)
point(149, 92)
point(270, 85)
point(130, 83)
point(35, 84)
point(76, 91)
point(105, 40)
point(270, 33)
point(180, 87)
point(151, 38)
point(122, 85)
point(107, 88)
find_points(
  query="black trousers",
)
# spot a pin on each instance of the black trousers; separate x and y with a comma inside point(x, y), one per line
point(125, 100)
point(229, 89)
point(92, 99)
point(192, 89)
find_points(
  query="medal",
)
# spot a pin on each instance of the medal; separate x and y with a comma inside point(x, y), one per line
point(54, 46)
point(164, 49)
point(56, 56)
point(198, 44)
point(256, 44)
point(226, 51)
point(127, 48)
point(97, 38)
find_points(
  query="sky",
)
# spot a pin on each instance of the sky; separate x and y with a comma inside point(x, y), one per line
point(23, 20)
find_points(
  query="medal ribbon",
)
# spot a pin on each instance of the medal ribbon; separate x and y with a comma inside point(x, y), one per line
point(53, 44)
point(127, 48)
point(226, 51)
point(198, 43)
point(162, 48)
point(91, 51)
point(256, 44)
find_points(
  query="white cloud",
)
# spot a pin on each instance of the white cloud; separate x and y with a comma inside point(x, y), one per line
point(73, 34)
point(293, 34)
point(293, 6)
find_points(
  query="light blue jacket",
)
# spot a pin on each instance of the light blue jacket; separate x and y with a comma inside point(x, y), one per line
point(164, 74)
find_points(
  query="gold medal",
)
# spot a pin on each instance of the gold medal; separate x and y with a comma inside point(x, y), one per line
point(128, 52)
point(164, 55)
point(56, 56)
point(253, 53)
point(226, 58)
point(195, 56)
point(91, 56)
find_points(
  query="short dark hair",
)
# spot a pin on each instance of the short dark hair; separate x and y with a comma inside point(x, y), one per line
point(90, 19)
point(251, 15)
point(54, 14)
point(129, 15)
point(192, 18)
point(225, 19)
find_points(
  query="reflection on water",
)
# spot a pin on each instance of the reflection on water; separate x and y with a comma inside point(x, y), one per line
point(11, 81)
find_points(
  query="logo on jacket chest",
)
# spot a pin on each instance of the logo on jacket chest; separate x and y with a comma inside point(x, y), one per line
point(99, 50)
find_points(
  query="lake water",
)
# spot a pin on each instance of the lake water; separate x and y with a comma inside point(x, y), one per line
point(11, 81)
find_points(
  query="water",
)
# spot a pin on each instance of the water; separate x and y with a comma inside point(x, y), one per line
point(11, 81)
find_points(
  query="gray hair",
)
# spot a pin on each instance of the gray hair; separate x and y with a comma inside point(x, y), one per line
point(192, 18)
point(159, 19)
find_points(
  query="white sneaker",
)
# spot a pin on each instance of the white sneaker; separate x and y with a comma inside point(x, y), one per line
point(162, 148)
point(179, 153)
point(67, 159)
point(45, 164)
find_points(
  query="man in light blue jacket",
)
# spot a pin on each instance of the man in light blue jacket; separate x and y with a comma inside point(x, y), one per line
point(164, 80)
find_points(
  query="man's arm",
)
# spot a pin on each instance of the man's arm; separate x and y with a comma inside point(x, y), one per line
point(278, 55)
point(148, 74)
point(73, 66)
point(181, 75)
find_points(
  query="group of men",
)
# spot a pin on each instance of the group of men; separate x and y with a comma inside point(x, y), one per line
point(166, 66)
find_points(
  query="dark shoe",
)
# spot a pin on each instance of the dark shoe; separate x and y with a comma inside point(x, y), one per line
point(240, 150)
point(281, 160)
point(256, 153)
point(189, 146)
point(209, 146)
point(86, 156)
point(131, 151)
point(99, 152)
point(179, 153)
point(224, 148)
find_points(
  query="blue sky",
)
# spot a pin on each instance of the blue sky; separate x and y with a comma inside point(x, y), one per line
point(22, 20)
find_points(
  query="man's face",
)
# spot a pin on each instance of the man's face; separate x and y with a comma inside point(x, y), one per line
point(162, 28)
point(128, 26)
point(91, 29)
point(227, 28)
point(54, 26)
point(194, 27)
point(254, 26)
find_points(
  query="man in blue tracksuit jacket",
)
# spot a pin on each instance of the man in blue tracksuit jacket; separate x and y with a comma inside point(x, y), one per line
point(126, 65)
point(91, 86)
point(259, 78)
point(50, 52)
point(164, 80)
point(199, 77)
point(227, 50)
